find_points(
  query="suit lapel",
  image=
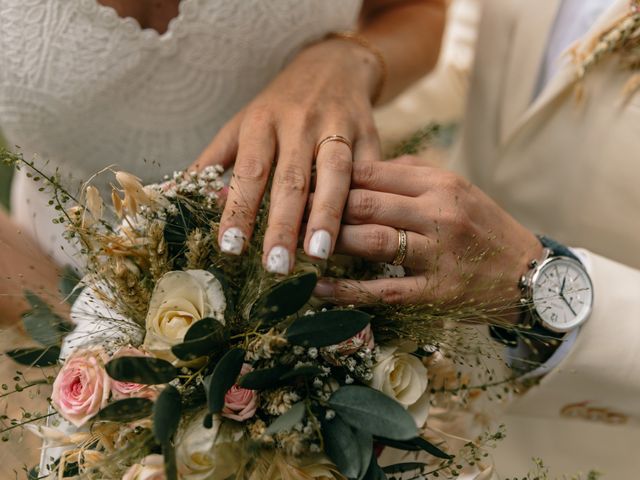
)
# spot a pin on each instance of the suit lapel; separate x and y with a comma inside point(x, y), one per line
point(533, 21)
point(522, 111)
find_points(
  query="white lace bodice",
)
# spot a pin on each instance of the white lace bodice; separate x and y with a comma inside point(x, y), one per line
point(83, 88)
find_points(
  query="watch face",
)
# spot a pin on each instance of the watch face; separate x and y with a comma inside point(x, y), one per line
point(562, 294)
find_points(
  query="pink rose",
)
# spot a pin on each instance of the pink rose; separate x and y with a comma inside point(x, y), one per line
point(122, 390)
point(362, 339)
point(82, 387)
point(240, 403)
point(150, 467)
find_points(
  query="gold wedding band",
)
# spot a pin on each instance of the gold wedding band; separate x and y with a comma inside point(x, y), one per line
point(401, 252)
point(333, 138)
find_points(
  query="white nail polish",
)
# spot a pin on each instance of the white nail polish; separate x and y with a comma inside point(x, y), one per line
point(232, 241)
point(320, 244)
point(278, 260)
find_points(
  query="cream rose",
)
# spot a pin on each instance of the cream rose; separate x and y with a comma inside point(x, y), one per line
point(276, 466)
point(82, 386)
point(150, 468)
point(212, 454)
point(403, 377)
point(179, 300)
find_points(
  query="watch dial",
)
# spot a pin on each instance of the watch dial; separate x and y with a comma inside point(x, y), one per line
point(562, 294)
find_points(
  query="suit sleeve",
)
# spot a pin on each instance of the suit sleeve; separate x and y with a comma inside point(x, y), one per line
point(600, 375)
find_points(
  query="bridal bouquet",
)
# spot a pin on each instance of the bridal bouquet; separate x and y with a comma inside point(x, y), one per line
point(181, 362)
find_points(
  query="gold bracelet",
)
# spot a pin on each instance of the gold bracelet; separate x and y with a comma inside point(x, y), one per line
point(363, 42)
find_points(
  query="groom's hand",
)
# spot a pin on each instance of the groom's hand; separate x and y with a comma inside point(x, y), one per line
point(462, 248)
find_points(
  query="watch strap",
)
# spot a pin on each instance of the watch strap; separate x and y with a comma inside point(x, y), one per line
point(557, 249)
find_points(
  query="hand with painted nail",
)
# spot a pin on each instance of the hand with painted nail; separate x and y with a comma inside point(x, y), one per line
point(457, 245)
point(318, 112)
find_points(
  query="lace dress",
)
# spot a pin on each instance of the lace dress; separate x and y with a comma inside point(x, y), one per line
point(82, 88)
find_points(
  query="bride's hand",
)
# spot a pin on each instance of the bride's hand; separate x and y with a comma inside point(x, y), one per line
point(462, 248)
point(326, 90)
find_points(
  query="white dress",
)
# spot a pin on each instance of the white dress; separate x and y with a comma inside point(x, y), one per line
point(82, 88)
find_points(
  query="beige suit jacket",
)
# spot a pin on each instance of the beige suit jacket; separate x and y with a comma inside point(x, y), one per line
point(572, 171)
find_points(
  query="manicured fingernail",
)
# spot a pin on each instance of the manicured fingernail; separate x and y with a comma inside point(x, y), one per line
point(232, 241)
point(320, 244)
point(278, 261)
point(324, 289)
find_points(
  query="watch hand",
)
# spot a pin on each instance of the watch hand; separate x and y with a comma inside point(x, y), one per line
point(568, 304)
point(562, 286)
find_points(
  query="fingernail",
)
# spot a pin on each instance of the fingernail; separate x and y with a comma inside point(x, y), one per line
point(323, 289)
point(232, 241)
point(278, 261)
point(320, 244)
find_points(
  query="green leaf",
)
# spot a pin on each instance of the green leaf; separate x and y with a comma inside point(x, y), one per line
point(143, 370)
point(166, 414)
point(341, 445)
point(373, 412)
point(203, 338)
point(126, 410)
point(374, 472)
point(365, 445)
point(288, 419)
point(263, 379)
point(305, 371)
point(224, 376)
point(69, 285)
point(35, 357)
point(326, 328)
point(405, 467)
point(170, 464)
point(285, 297)
point(415, 444)
point(42, 324)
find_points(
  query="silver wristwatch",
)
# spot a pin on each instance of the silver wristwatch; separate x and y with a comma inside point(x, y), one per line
point(557, 290)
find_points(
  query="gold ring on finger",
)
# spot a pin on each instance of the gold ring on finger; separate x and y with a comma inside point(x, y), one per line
point(401, 252)
point(333, 138)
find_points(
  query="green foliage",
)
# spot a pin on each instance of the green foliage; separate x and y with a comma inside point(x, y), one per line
point(349, 448)
point(288, 420)
point(326, 328)
point(143, 370)
point(263, 378)
point(166, 414)
point(373, 412)
point(170, 464)
point(416, 444)
point(69, 285)
point(42, 324)
point(35, 357)
point(375, 472)
point(224, 376)
point(304, 371)
point(203, 338)
point(126, 410)
point(285, 297)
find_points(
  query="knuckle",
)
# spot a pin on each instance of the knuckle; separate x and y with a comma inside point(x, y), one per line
point(259, 115)
point(337, 160)
point(250, 168)
point(364, 172)
point(377, 241)
point(362, 206)
point(331, 210)
point(291, 178)
point(392, 293)
point(283, 233)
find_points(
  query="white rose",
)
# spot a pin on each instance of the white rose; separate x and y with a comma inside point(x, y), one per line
point(276, 466)
point(179, 300)
point(403, 377)
point(212, 454)
point(150, 467)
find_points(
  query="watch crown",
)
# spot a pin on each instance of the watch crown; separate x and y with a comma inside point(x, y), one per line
point(522, 282)
point(533, 263)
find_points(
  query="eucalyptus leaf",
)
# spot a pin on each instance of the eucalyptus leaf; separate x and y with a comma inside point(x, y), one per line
point(288, 419)
point(406, 467)
point(203, 338)
point(305, 371)
point(41, 323)
point(373, 412)
point(224, 376)
point(166, 414)
point(414, 445)
point(126, 410)
point(365, 446)
point(207, 327)
point(170, 464)
point(70, 285)
point(35, 357)
point(341, 446)
point(285, 297)
point(143, 370)
point(326, 328)
point(374, 472)
point(264, 378)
